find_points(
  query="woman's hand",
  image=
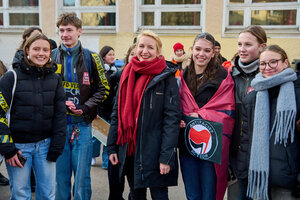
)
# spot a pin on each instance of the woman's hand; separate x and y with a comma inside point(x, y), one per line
point(14, 161)
point(73, 108)
point(182, 124)
point(194, 115)
point(164, 169)
point(113, 158)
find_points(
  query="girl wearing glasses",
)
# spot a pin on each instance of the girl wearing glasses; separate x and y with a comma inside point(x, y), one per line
point(251, 42)
point(269, 116)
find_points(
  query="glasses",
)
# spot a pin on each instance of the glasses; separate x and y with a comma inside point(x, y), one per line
point(272, 64)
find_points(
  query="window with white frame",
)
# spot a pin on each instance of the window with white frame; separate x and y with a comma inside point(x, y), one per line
point(95, 14)
point(19, 13)
point(275, 16)
point(166, 15)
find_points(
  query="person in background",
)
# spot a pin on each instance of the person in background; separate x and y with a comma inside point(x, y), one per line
point(36, 134)
point(85, 86)
point(180, 57)
point(269, 119)
point(143, 135)
point(19, 56)
point(3, 179)
point(208, 82)
point(251, 42)
point(116, 184)
point(219, 56)
point(104, 109)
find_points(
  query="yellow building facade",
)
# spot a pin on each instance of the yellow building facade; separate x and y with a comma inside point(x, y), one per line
point(221, 18)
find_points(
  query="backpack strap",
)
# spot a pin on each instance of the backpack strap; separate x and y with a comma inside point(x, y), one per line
point(12, 95)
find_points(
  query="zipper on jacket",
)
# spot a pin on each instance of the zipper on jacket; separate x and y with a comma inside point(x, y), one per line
point(174, 151)
point(141, 157)
point(151, 99)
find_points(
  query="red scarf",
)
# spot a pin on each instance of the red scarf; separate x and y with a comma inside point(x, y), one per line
point(130, 96)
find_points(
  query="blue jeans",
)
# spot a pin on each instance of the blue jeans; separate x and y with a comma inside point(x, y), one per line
point(96, 152)
point(19, 178)
point(199, 177)
point(76, 158)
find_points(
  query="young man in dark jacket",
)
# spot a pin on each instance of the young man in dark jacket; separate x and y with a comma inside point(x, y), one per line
point(85, 86)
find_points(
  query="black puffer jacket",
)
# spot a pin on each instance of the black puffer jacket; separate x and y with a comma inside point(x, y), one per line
point(284, 161)
point(38, 111)
point(157, 133)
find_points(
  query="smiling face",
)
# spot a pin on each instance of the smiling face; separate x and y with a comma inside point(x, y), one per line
point(147, 49)
point(109, 57)
point(179, 52)
point(69, 35)
point(271, 63)
point(39, 52)
point(202, 53)
point(248, 47)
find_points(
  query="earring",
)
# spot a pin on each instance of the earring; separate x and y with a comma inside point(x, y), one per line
point(49, 61)
point(28, 58)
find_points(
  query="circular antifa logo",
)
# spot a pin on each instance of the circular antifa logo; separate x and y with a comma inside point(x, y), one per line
point(201, 139)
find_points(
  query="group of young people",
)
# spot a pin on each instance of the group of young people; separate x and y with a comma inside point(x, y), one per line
point(148, 104)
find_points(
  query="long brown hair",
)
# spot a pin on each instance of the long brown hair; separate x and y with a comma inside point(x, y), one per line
point(193, 82)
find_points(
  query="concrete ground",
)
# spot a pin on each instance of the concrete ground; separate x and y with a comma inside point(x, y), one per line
point(100, 185)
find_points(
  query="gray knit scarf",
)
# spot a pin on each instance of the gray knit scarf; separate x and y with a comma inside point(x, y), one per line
point(283, 127)
point(250, 67)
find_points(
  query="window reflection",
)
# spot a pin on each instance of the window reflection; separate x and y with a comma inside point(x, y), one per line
point(236, 1)
point(148, 19)
point(181, 2)
point(236, 17)
point(98, 19)
point(273, 17)
point(69, 2)
point(180, 18)
point(1, 19)
point(97, 2)
point(148, 2)
point(16, 19)
point(17, 3)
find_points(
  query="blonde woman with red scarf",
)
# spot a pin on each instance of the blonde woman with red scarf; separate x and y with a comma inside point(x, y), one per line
point(145, 121)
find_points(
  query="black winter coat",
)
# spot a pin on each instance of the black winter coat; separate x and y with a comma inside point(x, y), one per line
point(242, 86)
point(38, 111)
point(157, 133)
point(284, 161)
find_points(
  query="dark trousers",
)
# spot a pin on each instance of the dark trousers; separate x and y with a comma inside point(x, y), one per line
point(116, 185)
point(157, 193)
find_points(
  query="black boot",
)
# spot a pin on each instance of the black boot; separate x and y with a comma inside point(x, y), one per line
point(3, 180)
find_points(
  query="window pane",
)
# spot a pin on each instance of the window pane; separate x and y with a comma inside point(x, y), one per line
point(16, 3)
point(147, 2)
point(16, 19)
point(1, 19)
point(148, 19)
point(69, 2)
point(98, 19)
point(236, 1)
point(273, 17)
point(268, 1)
point(97, 2)
point(236, 17)
point(181, 2)
point(180, 18)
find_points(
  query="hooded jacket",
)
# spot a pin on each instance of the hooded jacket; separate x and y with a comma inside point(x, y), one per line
point(38, 109)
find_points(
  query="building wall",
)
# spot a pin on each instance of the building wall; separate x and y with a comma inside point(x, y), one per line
point(123, 38)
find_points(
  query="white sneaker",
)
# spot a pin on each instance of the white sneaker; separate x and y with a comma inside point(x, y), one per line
point(93, 161)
